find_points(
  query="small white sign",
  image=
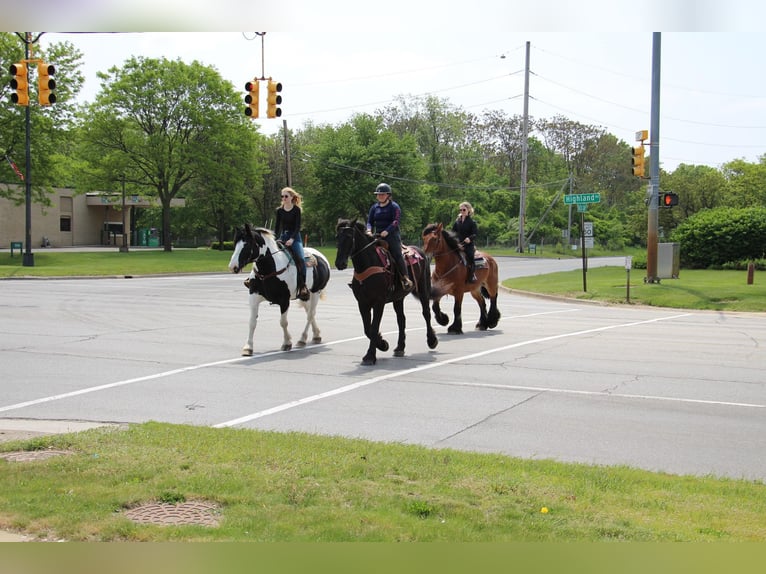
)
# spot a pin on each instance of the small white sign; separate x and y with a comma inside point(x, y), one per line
point(628, 262)
point(588, 229)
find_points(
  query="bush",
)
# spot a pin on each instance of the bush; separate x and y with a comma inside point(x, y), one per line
point(227, 246)
point(714, 237)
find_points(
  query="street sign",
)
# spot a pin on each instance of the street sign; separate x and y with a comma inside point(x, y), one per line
point(579, 198)
point(588, 229)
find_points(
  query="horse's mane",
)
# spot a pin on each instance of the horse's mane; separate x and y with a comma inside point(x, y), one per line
point(358, 225)
point(264, 231)
point(449, 236)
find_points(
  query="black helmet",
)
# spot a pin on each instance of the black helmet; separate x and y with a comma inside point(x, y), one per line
point(383, 188)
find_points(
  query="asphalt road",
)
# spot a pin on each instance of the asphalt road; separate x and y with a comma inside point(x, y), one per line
point(660, 389)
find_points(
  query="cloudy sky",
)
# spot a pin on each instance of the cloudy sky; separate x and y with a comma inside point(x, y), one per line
point(337, 57)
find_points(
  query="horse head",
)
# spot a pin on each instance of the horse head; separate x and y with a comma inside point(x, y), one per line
point(346, 232)
point(249, 245)
point(432, 236)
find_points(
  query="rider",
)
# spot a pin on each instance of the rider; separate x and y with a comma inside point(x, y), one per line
point(466, 229)
point(288, 230)
point(384, 218)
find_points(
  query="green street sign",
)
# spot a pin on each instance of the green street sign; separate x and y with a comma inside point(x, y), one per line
point(579, 198)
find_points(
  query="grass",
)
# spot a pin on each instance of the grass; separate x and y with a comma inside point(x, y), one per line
point(294, 487)
point(694, 289)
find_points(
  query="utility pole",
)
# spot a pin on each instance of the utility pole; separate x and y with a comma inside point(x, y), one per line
point(524, 150)
point(654, 154)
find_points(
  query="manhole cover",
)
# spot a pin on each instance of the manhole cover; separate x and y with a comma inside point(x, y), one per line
point(28, 455)
point(161, 513)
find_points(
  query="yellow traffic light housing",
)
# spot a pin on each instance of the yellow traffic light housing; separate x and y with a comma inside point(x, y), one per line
point(46, 84)
point(251, 99)
point(273, 99)
point(19, 84)
point(638, 161)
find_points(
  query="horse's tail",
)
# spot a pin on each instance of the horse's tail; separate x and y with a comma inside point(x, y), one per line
point(484, 292)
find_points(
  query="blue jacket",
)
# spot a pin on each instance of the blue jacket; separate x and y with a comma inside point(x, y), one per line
point(384, 218)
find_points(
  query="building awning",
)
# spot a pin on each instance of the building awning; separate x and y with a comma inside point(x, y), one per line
point(115, 200)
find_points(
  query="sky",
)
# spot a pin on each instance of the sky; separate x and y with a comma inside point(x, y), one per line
point(590, 62)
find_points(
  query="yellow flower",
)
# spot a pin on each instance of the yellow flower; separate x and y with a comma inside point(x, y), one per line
point(544, 510)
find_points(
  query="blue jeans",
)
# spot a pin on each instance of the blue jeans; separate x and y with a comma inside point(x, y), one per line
point(300, 262)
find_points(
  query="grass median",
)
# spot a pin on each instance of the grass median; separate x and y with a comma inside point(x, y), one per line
point(295, 487)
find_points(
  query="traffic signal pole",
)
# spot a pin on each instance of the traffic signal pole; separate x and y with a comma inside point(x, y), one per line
point(28, 259)
point(654, 166)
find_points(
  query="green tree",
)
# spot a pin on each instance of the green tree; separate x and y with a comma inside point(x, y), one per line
point(747, 182)
point(164, 124)
point(351, 159)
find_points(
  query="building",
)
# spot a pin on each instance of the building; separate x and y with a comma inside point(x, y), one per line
point(77, 220)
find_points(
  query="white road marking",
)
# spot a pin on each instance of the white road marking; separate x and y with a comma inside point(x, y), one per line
point(373, 380)
point(198, 367)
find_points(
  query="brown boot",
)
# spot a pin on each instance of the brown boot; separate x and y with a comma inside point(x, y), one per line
point(303, 293)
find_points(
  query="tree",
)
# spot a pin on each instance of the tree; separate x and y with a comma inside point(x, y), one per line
point(350, 160)
point(747, 182)
point(156, 121)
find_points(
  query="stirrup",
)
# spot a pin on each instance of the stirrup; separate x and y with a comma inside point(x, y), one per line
point(303, 294)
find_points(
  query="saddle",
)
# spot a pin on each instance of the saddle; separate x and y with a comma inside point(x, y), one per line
point(308, 259)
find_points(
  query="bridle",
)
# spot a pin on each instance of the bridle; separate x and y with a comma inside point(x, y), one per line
point(255, 260)
point(436, 234)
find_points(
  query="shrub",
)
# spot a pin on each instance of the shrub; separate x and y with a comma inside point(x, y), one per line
point(714, 237)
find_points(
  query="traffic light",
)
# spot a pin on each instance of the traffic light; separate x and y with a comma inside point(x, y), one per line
point(638, 161)
point(251, 99)
point(668, 199)
point(273, 99)
point(19, 84)
point(46, 84)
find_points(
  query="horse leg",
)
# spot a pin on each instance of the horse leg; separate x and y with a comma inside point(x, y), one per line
point(372, 330)
point(440, 316)
point(431, 338)
point(287, 342)
point(457, 321)
point(401, 321)
point(311, 309)
point(493, 317)
point(482, 325)
point(255, 302)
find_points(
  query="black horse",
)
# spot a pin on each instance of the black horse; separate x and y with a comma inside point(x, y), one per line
point(374, 284)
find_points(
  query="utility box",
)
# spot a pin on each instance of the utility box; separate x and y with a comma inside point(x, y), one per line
point(668, 260)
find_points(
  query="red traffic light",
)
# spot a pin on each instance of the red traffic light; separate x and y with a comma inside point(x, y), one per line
point(669, 199)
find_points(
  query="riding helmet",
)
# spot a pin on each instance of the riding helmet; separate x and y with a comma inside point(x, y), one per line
point(383, 188)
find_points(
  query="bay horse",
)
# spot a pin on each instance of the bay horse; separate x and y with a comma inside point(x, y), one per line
point(449, 277)
point(274, 279)
point(374, 285)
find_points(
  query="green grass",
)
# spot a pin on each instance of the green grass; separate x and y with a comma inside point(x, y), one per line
point(294, 487)
point(112, 262)
point(694, 289)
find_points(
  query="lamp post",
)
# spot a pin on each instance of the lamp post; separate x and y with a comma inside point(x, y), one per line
point(124, 246)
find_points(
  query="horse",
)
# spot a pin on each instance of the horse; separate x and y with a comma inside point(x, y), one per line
point(449, 276)
point(274, 279)
point(374, 285)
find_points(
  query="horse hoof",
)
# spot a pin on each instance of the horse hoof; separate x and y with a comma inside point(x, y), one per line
point(481, 327)
point(247, 352)
point(369, 361)
point(398, 352)
point(382, 345)
point(287, 347)
point(455, 331)
point(300, 344)
point(442, 320)
point(316, 340)
point(433, 342)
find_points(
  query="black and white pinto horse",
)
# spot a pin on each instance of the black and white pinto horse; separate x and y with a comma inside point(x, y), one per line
point(374, 285)
point(274, 279)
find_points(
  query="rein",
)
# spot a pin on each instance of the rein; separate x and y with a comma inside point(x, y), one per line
point(372, 270)
point(446, 252)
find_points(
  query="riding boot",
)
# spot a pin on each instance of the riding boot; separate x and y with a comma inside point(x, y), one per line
point(302, 293)
point(470, 276)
